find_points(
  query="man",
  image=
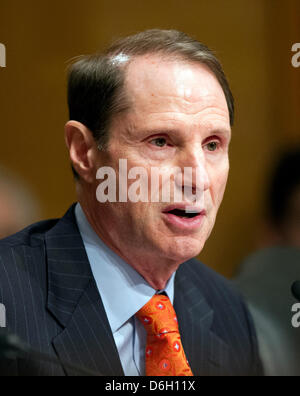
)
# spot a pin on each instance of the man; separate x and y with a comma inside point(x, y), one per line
point(158, 99)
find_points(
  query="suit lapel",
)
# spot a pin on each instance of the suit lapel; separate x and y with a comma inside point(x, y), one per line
point(206, 352)
point(74, 300)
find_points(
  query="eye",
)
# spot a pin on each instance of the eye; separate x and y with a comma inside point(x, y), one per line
point(212, 146)
point(159, 142)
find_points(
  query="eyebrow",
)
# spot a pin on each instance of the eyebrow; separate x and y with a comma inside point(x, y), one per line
point(166, 131)
point(221, 131)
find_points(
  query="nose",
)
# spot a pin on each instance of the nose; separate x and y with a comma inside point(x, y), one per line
point(195, 175)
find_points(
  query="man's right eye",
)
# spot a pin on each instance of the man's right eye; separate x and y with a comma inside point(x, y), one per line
point(159, 142)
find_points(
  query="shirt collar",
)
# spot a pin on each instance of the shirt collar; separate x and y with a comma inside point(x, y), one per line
point(123, 290)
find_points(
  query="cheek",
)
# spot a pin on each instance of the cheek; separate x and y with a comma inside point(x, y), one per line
point(218, 185)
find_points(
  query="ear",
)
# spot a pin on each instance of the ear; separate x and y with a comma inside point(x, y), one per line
point(81, 145)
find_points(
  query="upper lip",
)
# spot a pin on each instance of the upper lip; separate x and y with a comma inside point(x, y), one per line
point(189, 208)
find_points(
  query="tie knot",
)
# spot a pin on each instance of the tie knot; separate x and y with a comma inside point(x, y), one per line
point(158, 316)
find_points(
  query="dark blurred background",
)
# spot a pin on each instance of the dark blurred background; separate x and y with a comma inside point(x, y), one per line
point(253, 40)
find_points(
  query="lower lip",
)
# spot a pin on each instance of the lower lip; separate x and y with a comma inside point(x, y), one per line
point(184, 223)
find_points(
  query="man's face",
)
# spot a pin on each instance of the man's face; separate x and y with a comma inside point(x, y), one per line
point(178, 118)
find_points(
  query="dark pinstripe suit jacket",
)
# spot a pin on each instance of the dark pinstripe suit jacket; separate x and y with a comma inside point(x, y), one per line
point(53, 304)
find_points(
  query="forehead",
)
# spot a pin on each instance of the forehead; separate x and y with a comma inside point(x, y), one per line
point(155, 81)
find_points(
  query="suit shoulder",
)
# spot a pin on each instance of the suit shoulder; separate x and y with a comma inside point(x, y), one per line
point(207, 276)
point(230, 310)
point(221, 294)
point(29, 236)
point(19, 251)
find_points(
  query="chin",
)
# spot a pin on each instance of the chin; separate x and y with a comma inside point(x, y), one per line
point(184, 248)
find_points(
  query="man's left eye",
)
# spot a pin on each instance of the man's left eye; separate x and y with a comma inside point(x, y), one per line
point(212, 146)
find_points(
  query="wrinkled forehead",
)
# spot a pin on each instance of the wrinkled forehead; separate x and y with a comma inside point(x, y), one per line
point(152, 78)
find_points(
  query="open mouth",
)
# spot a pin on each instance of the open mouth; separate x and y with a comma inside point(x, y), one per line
point(184, 217)
point(183, 213)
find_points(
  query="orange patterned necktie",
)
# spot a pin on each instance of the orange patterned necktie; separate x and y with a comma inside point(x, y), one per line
point(164, 350)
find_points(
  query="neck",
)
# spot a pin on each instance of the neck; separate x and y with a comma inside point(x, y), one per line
point(155, 270)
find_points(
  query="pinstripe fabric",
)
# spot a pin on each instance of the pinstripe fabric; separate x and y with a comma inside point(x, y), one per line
point(53, 304)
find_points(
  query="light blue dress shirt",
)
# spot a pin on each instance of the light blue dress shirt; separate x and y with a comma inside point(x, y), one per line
point(123, 292)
